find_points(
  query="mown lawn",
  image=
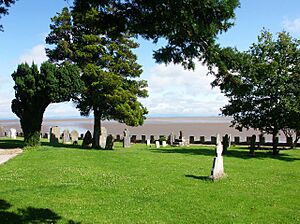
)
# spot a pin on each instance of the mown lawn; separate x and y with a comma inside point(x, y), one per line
point(146, 185)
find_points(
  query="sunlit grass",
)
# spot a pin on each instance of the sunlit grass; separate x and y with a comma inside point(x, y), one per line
point(148, 185)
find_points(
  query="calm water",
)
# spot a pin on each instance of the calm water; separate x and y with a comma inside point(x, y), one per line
point(191, 126)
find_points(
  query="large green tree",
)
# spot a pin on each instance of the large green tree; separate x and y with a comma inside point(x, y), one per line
point(189, 27)
point(109, 69)
point(262, 84)
point(35, 90)
point(4, 5)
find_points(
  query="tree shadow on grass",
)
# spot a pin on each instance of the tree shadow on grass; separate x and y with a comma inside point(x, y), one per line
point(11, 143)
point(28, 215)
point(236, 153)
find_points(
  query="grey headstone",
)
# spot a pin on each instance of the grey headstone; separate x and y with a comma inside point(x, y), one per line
point(109, 142)
point(102, 138)
point(148, 143)
point(157, 145)
point(74, 136)
point(164, 143)
point(126, 139)
point(218, 166)
point(54, 134)
point(66, 137)
point(2, 131)
point(13, 133)
point(87, 139)
point(172, 138)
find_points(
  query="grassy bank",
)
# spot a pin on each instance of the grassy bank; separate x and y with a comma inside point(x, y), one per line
point(140, 185)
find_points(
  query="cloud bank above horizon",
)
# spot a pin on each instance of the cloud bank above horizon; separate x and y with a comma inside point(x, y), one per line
point(173, 91)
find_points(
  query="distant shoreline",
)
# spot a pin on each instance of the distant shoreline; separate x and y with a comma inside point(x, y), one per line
point(191, 126)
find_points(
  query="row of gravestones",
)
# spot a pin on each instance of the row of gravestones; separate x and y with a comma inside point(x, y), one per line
point(67, 136)
point(12, 133)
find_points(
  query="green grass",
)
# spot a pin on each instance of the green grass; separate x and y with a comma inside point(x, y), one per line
point(140, 185)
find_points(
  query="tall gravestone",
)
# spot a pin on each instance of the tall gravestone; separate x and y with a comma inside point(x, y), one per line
point(87, 139)
point(126, 139)
point(171, 138)
point(54, 135)
point(103, 137)
point(2, 131)
point(74, 136)
point(218, 166)
point(13, 133)
point(66, 137)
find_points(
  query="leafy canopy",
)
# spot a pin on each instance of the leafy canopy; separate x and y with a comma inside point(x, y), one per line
point(35, 90)
point(262, 84)
point(189, 27)
point(4, 5)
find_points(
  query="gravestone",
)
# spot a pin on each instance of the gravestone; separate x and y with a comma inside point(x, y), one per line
point(54, 134)
point(126, 139)
point(171, 138)
point(202, 139)
point(236, 140)
point(218, 166)
point(252, 145)
point(143, 140)
point(157, 145)
point(87, 139)
point(192, 139)
point(109, 142)
point(152, 139)
point(226, 143)
point(133, 139)
point(103, 137)
point(2, 131)
point(74, 136)
point(164, 143)
point(148, 142)
point(213, 140)
point(13, 133)
point(66, 137)
point(181, 136)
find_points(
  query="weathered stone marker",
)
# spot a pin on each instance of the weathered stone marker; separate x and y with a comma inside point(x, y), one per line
point(54, 135)
point(148, 143)
point(109, 142)
point(66, 137)
point(87, 139)
point(74, 136)
point(103, 137)
point(157, 145)
point(164, 143)
point(126, 139)
point(13, 133)
point(218, 167)
point(2, 131)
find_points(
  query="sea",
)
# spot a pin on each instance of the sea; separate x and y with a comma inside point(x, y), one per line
point(190, 126)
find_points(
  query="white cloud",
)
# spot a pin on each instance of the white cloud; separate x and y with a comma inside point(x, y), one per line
point(61, 110)
point(37, 55)
point(292, 26)
point(174, 90)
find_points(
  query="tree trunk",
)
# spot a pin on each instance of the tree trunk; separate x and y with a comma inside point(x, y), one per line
point(97, 129)
point(275, 143)
point(31, 126)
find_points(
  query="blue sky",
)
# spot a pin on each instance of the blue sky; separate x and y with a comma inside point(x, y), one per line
point(173, 91)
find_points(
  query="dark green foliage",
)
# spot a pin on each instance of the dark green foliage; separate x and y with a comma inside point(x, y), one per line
point(189, 27)
point(35, 90)
point(4, 5)
point(262, 84)
point(108, 66)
